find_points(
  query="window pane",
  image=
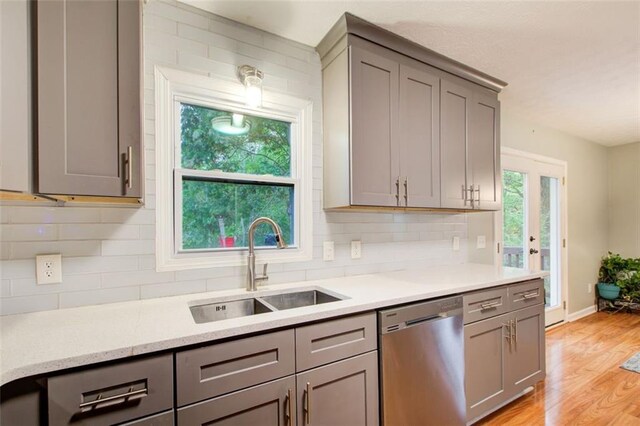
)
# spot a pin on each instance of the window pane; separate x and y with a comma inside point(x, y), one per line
point(218, 214)
point(220, 140)
point(513, 219)
point(550, 238)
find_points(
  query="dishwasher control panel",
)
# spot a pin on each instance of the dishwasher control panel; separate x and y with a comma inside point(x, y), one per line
point(397, 318)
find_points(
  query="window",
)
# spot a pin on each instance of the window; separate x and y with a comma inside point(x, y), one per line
point(221, 165)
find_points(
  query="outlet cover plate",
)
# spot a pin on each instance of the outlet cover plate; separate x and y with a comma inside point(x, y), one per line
point(328, 251)
point(48, 269)
point(356, 249)
point(456, 244)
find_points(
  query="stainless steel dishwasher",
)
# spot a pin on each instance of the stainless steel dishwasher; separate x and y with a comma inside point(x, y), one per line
point(422, 364)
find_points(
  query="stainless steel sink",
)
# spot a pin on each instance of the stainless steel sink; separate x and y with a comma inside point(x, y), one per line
point(230, 309)
point(299, 299)
point(210, 310)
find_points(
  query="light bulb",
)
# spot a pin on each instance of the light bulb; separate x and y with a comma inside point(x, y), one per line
point(253, 96)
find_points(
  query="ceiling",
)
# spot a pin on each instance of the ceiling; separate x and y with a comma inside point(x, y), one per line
point(570, 65)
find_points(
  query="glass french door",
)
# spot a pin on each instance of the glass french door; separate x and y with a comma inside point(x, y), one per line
point(533, 224)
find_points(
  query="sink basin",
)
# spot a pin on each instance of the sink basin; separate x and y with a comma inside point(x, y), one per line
point(299, 299)
point(209, 312)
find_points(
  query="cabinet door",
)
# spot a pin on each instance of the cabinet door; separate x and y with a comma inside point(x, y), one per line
point(419, 137)
point(342, 393)
point(374, 126)
point(526, 362)
point(485, 352)
point(484, 152)
point(270, 404)
point(89, 97)
point(455, 109)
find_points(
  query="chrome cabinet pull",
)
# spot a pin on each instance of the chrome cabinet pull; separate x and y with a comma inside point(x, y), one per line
point(129, 180)
point(530, 295)
point(288, 400)
point(406, 191)
point(464, 194)
point(515, 331)
point(307, 400)
point(398, 191)
point(489, 305)
point(477, 190)
point(124, 396)
point(508, 336)
point(472, 199)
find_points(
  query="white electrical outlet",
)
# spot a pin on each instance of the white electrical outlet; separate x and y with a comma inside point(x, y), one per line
point(481, 242)
point(328, 251)
point(49, 269)
point(589, 288)
point(456, 243)
point(356, 249)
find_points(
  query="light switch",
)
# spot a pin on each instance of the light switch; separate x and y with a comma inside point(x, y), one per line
point(456, 243)
point(481, 242)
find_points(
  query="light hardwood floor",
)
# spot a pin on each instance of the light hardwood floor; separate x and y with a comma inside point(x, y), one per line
point(585, 384)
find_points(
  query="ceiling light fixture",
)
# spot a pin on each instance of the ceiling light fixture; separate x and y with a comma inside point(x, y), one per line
point(234, 124)
point(251, 77)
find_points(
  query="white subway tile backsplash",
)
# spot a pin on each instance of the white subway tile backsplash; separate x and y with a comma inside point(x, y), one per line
point(172, 289)
point(25, 304)
point(109, 252)
point(98, 297)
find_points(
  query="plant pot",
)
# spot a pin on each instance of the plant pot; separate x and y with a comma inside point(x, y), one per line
point(227, 241)
point(608, 291)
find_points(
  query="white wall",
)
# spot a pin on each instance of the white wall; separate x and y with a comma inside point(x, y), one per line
point(624, 199)
point(108, 253)
point(587, 197)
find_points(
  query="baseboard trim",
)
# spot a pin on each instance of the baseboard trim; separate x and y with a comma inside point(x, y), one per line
point(582, 313)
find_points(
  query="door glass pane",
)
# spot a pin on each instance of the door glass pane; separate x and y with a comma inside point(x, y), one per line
point(514, 219)
point(550, 238)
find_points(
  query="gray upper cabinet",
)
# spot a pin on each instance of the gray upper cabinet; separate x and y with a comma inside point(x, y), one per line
point(405, 127)
point(419, 136)
point(89, 98)
point(454, 135)
point(374, 128)
point(484, 152)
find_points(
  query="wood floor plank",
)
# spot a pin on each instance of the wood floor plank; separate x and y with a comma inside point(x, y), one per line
point(585, 384)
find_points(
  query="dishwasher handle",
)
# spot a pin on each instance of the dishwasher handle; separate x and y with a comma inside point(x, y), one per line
point(429, 318)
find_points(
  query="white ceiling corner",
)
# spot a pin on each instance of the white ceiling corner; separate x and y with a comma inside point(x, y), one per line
point(570, 65)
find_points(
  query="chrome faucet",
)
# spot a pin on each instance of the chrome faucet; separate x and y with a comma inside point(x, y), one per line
point(252, 279)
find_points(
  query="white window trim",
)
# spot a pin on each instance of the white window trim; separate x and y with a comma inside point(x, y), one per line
point(172, 85)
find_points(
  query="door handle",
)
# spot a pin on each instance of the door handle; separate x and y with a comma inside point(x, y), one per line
point(532, 238)
point(307, 406)
point(129, 167)
point(288, 400)
point(508, 336)
point(398, 191)
point(406, 191)
point(533, 251)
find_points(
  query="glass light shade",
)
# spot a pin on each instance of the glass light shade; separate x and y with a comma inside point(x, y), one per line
point(253, 91)
point(233, 125)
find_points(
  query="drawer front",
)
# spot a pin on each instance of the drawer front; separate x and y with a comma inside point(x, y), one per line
point(128, 390)
point(485, 304)
point(329, 341)
point(162, 419)
point(225, 367)
point(269, 404)
point(526, 294)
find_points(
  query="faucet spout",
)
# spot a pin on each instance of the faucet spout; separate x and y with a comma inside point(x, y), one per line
point(252, 279)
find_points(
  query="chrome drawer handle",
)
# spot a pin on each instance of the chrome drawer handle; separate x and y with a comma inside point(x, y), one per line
point(288, 398)
point(124, 396)
point(485, 306)
point(308, 404)
point(530, 295)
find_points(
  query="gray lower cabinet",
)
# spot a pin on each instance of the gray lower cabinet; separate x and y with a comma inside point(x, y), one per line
point(89, 125)
point(504, 355)
point(111, 394)
point(270, 404)
point(341, 393)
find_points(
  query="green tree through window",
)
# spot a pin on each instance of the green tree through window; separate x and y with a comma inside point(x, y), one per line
point(217, 210)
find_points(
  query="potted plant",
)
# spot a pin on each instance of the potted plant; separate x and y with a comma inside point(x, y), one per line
point(608, 275)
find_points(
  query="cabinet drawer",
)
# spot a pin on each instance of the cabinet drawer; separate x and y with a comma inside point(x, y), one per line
point(526, 294)
point(330, 341)
point(162, 419)
point(129, 390)
point(485, 304)
point(269, 404)
point(225, 367)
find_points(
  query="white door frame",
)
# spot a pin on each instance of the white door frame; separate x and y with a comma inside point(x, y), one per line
point(515, 154)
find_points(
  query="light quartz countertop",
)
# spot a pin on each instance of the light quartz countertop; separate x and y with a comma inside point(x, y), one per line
point(42, 342)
